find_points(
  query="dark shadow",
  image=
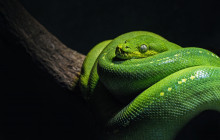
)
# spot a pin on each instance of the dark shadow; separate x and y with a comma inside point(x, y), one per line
point(204, 126)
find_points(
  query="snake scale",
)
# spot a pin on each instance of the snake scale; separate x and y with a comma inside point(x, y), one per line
point(142, 86)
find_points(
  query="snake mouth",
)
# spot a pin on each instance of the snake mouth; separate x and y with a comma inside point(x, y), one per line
point(121, 54)
point(126, 54)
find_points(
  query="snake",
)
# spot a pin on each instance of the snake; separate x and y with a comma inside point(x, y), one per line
point(142, 86)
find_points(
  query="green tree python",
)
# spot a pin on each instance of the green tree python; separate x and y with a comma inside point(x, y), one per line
point(142, 86)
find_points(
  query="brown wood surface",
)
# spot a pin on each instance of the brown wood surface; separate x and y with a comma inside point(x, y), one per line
point(19, 28)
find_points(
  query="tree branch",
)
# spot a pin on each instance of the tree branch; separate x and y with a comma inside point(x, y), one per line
point(18, 27)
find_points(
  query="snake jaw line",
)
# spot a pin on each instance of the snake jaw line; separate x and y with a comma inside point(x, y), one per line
point(135, 54)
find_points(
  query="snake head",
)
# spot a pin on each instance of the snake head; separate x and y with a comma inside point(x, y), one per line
point(138, 47)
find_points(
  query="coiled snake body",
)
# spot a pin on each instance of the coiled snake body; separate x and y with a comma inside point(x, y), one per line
point(145, 87)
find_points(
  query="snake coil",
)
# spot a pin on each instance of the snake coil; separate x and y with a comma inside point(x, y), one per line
point(142, 86)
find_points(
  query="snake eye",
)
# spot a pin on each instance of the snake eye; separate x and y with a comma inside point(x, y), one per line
point(143, 48)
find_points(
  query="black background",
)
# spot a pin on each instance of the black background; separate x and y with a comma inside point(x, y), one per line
point(37, 108)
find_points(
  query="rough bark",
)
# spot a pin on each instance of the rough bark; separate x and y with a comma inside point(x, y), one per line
point(17, 26)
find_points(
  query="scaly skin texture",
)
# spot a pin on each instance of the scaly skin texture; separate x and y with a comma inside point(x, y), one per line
point(142, 86)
